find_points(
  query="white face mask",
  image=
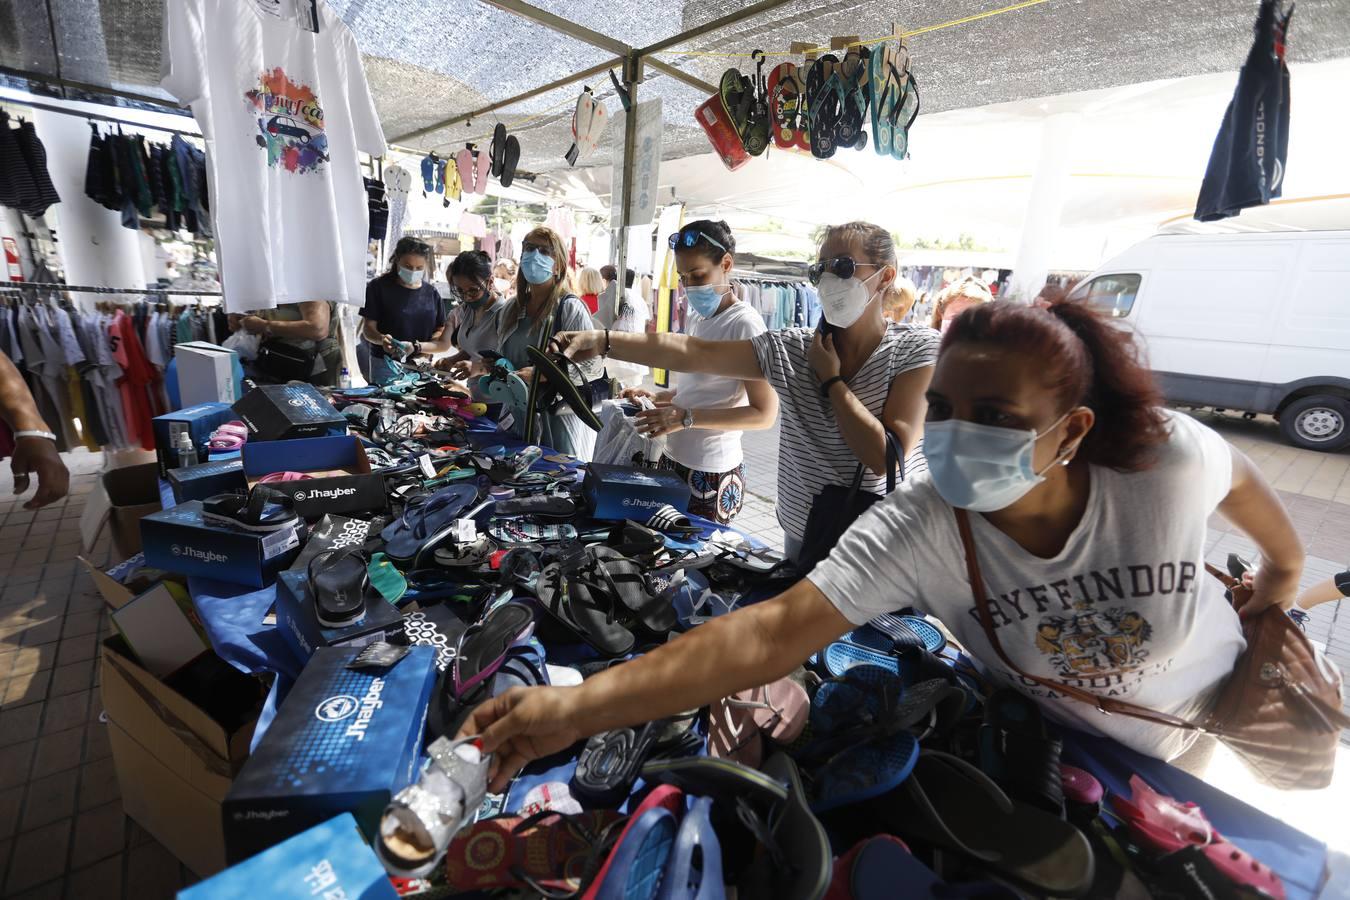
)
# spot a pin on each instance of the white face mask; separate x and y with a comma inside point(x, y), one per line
point(982, 468)
point(842, 300)
point(410, 277)
point(501, 284)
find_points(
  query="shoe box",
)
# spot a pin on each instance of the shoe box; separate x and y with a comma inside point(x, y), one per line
point(180, 540)
point(197, 422)
point(118, 502)
point(629, 492)
point(344, 740)
point(304, 634)
point(340, 482)
point(162, 629)
point(278, 412)
point(331, 859)
point(219, 476)
point(177, 744)
point(207, 372)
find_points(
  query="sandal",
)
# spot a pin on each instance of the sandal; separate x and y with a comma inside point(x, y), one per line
point(589, 615)
point(796, 862)
point(669, 519)
point(1017, 751)
point(423, 525)
point(465, 555)
point(588, 123)
point(512, 159)
point(787, 107)
point(854, 98)
point(515, 533)
point(739, 724)
point(550, 507)
point(634, 867)
point(498, 150)
point(261, 509)
point(481, 651)
point(283, 477)
point(611, 761)
point(417, 825)
point(823, 95)
point(559, 389)
point(551, 853)
point(339, 582)
point(695, 868)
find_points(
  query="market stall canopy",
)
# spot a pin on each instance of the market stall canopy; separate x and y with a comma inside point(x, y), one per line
point(437, 60)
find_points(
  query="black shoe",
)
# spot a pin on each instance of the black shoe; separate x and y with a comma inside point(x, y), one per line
point(338, 582)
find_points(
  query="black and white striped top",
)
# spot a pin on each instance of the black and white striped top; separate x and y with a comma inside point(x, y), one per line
point(812, 451)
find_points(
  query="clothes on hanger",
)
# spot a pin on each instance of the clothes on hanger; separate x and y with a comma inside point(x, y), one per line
point(25, 184)
point(126, 174)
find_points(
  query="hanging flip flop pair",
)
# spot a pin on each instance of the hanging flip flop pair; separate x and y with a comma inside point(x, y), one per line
point(474, 168)
point(838, 94)
point(787, 107)
point(895, 99)
point(505, 155)
point(744, 101)
point(588, 123)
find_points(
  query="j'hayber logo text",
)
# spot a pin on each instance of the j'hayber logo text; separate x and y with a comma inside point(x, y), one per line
point(370, 703)
point(264, 815)
point(324, 493)
point(193, 553)
point(645, 504)
point(337, 708)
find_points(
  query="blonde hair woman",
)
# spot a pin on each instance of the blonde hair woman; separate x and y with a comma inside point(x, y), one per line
point(543, 306)
point(589, 285)
point(956, 298)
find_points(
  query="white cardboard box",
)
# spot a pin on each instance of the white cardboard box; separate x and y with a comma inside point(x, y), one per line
point(205, 373)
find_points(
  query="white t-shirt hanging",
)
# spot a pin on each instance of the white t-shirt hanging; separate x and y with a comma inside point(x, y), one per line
point(284, 112)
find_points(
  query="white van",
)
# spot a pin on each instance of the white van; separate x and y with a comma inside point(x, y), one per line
point(1252, 322)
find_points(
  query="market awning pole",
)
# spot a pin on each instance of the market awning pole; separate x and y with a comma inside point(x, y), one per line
point(632, 74)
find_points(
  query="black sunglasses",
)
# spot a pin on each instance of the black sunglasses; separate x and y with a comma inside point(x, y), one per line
point(839, 266)
point(542, 248)
point(690, 236)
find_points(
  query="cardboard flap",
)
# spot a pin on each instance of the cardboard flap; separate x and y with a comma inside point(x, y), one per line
point(114, 594)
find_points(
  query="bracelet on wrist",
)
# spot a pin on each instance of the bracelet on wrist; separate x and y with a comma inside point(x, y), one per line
point(35, 433)
point(829, 383)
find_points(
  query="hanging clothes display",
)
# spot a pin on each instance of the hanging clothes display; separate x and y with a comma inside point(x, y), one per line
point(25, 184)
point(126, 174)
point(285, 112)
point(782, 303)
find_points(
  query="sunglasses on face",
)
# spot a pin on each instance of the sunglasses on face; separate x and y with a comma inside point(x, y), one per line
point(542, 248)
point(472, 293)
point(691, 236)
point(839, 266)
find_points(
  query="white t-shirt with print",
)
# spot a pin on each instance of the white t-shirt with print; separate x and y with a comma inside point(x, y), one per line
point(1125, 610)
point(284, 112)
point(701, 449)
point(812, 449)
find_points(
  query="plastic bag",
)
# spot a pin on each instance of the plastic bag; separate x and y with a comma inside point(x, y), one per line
point(620, 443)
point(244, 343)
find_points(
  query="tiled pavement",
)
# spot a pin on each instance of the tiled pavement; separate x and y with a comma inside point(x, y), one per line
point(62, 832)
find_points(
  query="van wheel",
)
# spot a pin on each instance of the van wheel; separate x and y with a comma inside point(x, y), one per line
point(1321, 422)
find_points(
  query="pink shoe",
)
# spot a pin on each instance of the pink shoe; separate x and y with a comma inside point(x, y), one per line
point(276, 477)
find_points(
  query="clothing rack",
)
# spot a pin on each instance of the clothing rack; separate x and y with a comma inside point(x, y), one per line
point(93, 117)
point(92, 289)
point(743, 275)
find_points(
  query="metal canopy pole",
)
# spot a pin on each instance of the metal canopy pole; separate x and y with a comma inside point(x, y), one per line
point(632, 74)
point(562, 26)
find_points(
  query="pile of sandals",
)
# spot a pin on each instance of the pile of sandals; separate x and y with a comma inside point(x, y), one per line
point(819, 108)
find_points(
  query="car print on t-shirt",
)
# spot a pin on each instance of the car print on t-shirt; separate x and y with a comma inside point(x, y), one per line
point(290, 123)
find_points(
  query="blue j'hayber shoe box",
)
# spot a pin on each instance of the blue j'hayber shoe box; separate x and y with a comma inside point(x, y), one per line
point(328, 860)
point(300, 627)
point(343, 741)
point(628, 492)
point(180, 540)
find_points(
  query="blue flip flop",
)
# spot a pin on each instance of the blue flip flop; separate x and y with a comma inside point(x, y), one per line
point(843, 656)
point(873, 767)
point(640, 859)
point(407, 536)
point(695, 868)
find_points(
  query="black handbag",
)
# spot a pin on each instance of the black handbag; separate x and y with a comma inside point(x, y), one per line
point(285, 362)
point(836, 508)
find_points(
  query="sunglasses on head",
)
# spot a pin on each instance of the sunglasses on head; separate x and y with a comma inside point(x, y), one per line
point(691, 236)
point(839, 266)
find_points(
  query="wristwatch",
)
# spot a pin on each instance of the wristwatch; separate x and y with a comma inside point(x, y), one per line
point(688, 420)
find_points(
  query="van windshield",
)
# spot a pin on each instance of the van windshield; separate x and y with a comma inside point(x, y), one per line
point(1110, 294)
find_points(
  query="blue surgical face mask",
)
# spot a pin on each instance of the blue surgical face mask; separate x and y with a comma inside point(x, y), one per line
point(537, 267)
point(410, 276)
point(705, 298)
point(982, 468)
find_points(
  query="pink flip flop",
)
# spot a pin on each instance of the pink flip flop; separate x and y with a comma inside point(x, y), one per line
point(230, 436)
point(464, 165)
point(483, 161)
point(277, 477)
point(738, 724)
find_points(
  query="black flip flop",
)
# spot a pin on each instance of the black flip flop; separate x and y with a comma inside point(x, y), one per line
point(552, 367)
point(510, 160)
point(610, 763)
point(249, 511)
point(480, 653)
point(799, 864)
point(498, 149)
point(338, 581)
point(1019, 753)
point(550, 507)
point(822, 103)
point(591, 616)
point(625, 579)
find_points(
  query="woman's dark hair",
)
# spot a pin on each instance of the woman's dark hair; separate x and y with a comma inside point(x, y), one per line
point(1088, 362)
point(474, 265)
point(412, 245)
point(876, 241)
point(718, 231)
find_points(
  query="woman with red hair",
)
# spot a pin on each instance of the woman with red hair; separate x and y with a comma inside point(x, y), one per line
point(1087, 503)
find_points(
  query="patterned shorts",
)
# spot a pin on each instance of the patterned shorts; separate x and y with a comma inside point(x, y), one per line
point(713, 495)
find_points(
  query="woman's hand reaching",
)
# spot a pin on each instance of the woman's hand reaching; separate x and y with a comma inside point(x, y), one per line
point(579, 345)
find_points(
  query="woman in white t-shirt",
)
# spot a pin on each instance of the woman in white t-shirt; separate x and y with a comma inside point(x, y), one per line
point(841, 387)
point(703, 417)
point(1088, 504)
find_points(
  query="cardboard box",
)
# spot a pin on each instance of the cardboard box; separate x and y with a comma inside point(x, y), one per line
point(180, 540)
point(208, 479)
point(328, 860)
point(119, 501)
point(161, 628)
point(343, 482)
point(627, 492)
point(197, 422)
point(302, 632)
point(276, 412)
point(344, 741)
point(177, 746)
point(206, 373)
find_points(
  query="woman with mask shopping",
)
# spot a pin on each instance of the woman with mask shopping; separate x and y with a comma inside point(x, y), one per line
point(473, 324)
point(504, 277)
point(703, 416)
point(403, 317)
point(544, 306)
point(1086, 504)
point(841, 387)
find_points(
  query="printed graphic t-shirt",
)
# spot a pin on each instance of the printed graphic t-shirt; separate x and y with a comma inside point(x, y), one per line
point(1125, 610)
point(284, 112)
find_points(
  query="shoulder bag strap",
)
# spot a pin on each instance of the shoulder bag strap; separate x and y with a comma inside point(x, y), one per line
point(1106, 705)
point(895, 458)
